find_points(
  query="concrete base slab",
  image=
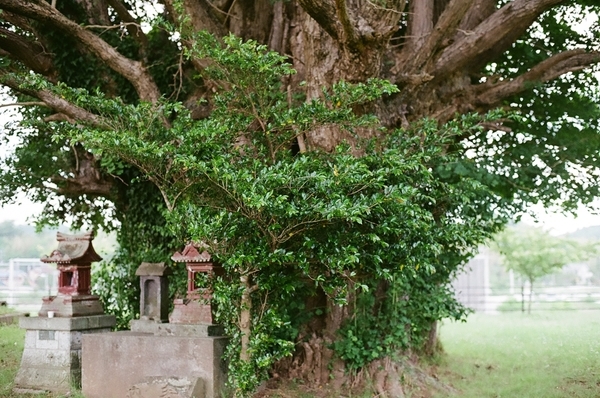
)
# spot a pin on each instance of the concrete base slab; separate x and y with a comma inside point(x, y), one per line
point(51, 358)
point(112, 363)
point(30, 392)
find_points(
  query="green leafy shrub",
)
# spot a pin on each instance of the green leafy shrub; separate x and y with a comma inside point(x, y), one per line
point(378, 226)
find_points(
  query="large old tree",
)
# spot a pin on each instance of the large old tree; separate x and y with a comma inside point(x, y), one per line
point(114, 95)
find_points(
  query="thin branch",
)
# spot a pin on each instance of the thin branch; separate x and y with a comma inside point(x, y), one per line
point(229, 10)
point(217, 9)
point(377, 6)
point(56, 102)
point(132, 25)
point(109, 27)
point(24, 104)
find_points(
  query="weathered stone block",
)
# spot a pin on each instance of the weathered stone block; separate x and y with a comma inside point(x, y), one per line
point(51, 358)
point(114, 362)
point(44, 379)
point(46, 358)
point(30, 338)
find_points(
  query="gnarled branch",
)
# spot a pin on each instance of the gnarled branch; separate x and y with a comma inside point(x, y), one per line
point(500, 29)
point(442, 31)
point(87, 178)
point(132, 70)
point(420, 24)
point(30, 53)
point(324, 12)
point(547, 70)
point(55, 102)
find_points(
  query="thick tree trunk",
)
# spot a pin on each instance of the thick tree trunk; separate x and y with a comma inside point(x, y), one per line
point(314, 361)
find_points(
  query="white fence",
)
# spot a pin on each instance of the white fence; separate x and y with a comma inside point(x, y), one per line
point(24, 281)
point(472, 286)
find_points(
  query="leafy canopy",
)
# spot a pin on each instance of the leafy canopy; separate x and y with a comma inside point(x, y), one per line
point(289, 223)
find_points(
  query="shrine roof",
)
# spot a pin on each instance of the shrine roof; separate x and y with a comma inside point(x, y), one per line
point(152, 269)
point(73, 249)
point(191, 254)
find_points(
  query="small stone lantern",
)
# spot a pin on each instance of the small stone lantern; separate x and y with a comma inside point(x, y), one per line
point(197, 306)
point(74, 257)
point(154, 287)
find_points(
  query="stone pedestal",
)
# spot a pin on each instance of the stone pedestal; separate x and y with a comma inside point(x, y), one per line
point(191, 311)
point(71, 306)
point(120, 364)
point(52, 356)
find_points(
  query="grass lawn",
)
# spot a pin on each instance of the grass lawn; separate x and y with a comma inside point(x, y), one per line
point(514, 355)
point(11, 346)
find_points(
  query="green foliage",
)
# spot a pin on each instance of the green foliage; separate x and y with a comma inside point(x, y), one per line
point(143, 237)
point(402, 215)
point(383, 327)
point(40, 163)
point(550, 151)
point(378, 225)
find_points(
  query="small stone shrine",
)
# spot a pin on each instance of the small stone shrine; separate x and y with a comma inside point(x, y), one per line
point(154, 287)
point(179, 359)
point(74, 257)
point(52, 355)
point(197, 306)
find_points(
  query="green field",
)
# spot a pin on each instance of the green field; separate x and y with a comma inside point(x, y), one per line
point(542, 355)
